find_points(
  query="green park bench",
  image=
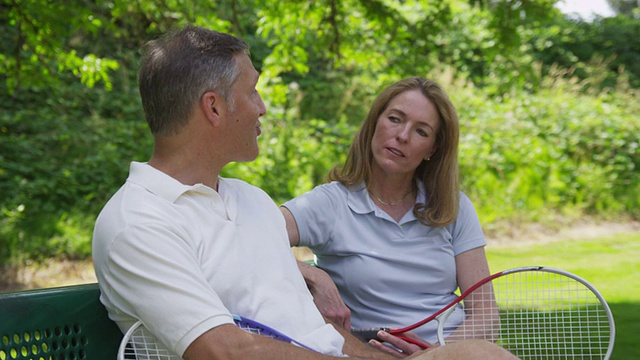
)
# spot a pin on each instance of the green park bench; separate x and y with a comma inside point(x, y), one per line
point(61, 323)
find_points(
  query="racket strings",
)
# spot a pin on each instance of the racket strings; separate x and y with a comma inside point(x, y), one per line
point(140, 344)
point(536, 315)
point(255, 327)
point(143, 345)
point(259, 330)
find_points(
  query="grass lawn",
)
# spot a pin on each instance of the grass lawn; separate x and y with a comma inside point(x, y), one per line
point(611, 264)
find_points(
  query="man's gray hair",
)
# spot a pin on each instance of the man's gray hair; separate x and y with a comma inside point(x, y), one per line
point(179, 67)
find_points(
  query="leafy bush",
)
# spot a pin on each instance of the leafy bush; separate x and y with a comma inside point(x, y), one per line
point(62, 154)
point(611, 43)
point(559, 151)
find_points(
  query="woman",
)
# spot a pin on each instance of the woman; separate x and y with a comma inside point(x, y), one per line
point(392, 229)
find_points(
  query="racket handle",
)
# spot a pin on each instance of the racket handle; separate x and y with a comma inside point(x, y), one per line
point(368, 334)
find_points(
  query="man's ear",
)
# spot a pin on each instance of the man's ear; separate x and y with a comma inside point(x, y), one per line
point(211, 105)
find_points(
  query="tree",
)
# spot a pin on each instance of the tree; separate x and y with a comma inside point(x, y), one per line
point(71, 120)
point(38, 42)
point(625, 7)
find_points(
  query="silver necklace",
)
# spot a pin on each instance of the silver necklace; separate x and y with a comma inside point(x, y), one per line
point(393, 203)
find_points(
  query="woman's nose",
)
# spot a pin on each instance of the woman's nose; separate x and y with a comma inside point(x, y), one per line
point(403, 134)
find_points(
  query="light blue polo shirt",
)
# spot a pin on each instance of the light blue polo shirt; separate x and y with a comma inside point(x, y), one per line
point(389, 273)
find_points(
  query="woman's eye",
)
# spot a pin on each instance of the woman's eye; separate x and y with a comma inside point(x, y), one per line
point(422, 133)
point(394, 119)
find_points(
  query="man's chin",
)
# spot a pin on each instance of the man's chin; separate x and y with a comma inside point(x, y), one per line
point(248, 157)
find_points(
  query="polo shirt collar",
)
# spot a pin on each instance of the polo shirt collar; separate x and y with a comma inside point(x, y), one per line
point(161, 184)
point(360, 201)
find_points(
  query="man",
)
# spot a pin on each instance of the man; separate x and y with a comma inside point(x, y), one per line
point(182, 249)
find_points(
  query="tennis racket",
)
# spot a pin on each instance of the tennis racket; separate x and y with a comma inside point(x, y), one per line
point(534, 312)
point(139, 343)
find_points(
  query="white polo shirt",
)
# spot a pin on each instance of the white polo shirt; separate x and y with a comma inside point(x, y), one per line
point(183, 258)
point(388, 273)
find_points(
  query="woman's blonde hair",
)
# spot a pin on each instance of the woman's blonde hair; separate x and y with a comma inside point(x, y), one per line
point(439, 174)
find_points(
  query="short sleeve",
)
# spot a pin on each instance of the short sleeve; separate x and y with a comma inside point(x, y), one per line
point(140, 269)
point(315, 213)
point(466, 231)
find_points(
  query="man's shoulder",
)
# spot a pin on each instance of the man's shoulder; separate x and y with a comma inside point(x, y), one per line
point(235, 182)
point(244, 190)
point(240, 185)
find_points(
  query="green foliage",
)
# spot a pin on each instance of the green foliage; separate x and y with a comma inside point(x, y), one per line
point(533, 156)
point(625, 7)
point(294, 159)
point(526, 157)
point(39, 43)
point(60, 158)
point(585, 47)
point(534, 145)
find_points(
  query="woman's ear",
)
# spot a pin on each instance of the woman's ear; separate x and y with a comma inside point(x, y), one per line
point(428, 157)
point(211, 104)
